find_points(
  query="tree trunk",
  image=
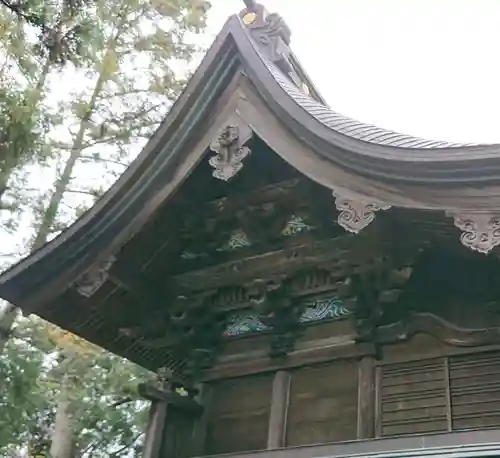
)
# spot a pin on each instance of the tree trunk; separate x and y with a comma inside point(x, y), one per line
point(64, 180)
point(63, 444)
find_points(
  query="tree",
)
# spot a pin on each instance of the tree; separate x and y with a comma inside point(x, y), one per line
point(121, 101)
point(61, 26)
point(109, 416)
point(24, 72)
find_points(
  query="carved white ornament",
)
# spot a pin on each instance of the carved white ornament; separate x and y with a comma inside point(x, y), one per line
point(480, 230)
point(93, 279)
point(230, 153)
point(356, 213)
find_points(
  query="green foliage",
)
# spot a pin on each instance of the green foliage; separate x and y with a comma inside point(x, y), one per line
point(109, 415)
point(61, 26)
point(24, 404)
point(22, 128)
point(58, 153)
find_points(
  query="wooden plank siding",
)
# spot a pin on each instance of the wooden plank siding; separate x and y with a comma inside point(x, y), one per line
point(323, 403)
point(413, 398)
point(475, 391)
point(351, 399)
point(239, 419)
point(442, 394)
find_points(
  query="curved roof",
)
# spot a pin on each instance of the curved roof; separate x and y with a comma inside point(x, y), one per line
point(351, 127)
point(364, 148)
point(388, 161)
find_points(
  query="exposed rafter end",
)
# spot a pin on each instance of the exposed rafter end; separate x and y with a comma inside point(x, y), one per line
point(480, 229)
point(356, 213)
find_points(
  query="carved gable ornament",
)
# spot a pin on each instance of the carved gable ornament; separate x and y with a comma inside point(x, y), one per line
point(480, 230)
point(356, 212)
point(230, 151)
point(88, 284)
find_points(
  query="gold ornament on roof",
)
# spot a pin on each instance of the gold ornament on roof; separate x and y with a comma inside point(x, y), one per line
point(249, 18)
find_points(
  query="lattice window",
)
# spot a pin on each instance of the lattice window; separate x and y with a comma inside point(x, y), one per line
point(412, 397)
point(452, 393)
point(475, 390)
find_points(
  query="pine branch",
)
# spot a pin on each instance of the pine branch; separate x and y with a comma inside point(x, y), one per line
point(102, 159)
point(125, 400)
point(30, 18)
point(120, 452)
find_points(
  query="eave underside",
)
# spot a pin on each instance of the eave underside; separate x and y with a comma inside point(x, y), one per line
point(126, 314)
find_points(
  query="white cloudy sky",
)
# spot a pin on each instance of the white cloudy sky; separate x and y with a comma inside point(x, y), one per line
point(430, 68)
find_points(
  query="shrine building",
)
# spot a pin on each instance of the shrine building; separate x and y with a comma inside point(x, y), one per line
point(305, 285)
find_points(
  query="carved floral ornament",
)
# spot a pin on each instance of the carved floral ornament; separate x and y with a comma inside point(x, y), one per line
point(356, 212)
point(480, 230)
point(230, 151)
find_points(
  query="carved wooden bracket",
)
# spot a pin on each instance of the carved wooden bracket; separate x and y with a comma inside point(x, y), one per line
point(356, 212)
point(230, 149)
point(480, 230)
point(88, 284)
point(375, 291)
point(197, 330)
point(280, 312)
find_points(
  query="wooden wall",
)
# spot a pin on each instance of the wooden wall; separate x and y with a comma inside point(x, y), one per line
point(316, 404)
point(421, 386)
point(323, 404)
point(425, 387)
point(239, 418)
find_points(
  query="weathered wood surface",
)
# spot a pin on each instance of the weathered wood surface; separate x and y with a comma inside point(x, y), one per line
point(239, 419)
point(323, 403)
point(366, 398)
point(445, 391)
point(460, 444)
point(279, 410)
point(155, 429)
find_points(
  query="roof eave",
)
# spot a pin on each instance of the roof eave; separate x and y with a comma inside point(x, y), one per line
point(95, 235)
point(453, 165)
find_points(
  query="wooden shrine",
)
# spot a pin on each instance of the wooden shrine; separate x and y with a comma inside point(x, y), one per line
point(304, 285)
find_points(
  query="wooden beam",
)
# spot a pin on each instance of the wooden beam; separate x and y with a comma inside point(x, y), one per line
point(366, 398)
point(276, 437)
point(459, 444)
point(345, 252)
point(253, 363)
point(185, 403)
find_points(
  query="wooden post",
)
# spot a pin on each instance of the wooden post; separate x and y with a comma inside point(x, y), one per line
point(200, 428)
point(279, 409)
point(166, 431)
point(155, 428)
point(366, 398)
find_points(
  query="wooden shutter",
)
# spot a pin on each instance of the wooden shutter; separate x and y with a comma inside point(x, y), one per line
point(239, 418)
point(323, 404)
point(475, 390)
point(413, 397)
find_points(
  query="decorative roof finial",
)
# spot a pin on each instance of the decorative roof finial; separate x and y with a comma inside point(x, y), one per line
point(271, 33)
point(272, 36)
